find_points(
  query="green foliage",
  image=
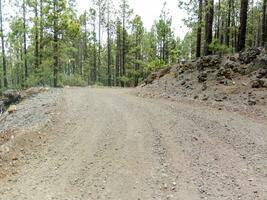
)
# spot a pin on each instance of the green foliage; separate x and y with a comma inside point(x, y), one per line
point(216, 47)
point(73, 80)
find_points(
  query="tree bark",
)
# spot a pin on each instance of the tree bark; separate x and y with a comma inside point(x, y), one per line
point(227, 38)
point(243, 25)
point(264, 25)
point(25, 41)
point(55, 45)
point(99, 41)
point(208, 26)
point(118, 54)
point(41, 38)
point(36, 53)
point(218, 21)
point(199, 29)
point(3, 47)
point(109, 44)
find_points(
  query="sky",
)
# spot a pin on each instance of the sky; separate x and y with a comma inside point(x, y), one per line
point(150, 10)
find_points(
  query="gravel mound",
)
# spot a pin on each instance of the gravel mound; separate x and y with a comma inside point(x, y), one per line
point(33, 112)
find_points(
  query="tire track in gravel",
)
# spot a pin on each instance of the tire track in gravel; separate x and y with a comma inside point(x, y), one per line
point(109, 144)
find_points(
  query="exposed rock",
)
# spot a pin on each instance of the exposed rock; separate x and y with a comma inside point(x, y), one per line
point(212, 61)
point(156, 75)
point(232, 58)
point(226, 72)
point(252, 102)
point(2, 106)
point(257, 83)
point(12, 109)
point(151, 78)
point(204, 87)
point(202, 77)
point(163, 72)
point(183, 82)
point(11, 96)
point(262, 73)
point(249, 55)
point(33, 91)
point(205, 98)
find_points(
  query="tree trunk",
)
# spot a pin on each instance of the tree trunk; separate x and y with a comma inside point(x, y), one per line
point(243, 25)
point(227, 39)
point(85, 52)
point(95, 55)
point(123, 42)
point(199, 29)
point(55, 45)
point(99, 42)
point(109, 44)
point(41, 42)
point(264, 25)
point(137, 57)
point(208, 26)
point(25, 41)
point(3, 47)
point(118, 54)
point(218, 21)
point(36, 53)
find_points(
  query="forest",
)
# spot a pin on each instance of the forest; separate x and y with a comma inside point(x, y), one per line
point(48, 43)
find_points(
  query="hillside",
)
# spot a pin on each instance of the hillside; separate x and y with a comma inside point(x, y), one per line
point(237, 82)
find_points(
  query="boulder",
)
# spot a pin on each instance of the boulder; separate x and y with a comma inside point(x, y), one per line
point(248, 55)
point(259, 63)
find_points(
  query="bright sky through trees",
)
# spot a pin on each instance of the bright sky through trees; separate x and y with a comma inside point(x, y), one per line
point(149, 10)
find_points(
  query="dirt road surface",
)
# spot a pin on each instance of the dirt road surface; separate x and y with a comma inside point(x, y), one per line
point(109, 144)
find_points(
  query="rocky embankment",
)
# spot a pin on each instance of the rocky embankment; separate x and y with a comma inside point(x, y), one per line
point(26, 110)
point(238, 82)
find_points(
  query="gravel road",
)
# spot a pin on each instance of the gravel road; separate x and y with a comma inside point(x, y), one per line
point(109, 144)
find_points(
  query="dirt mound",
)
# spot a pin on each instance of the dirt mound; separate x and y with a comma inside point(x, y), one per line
point(239, 79)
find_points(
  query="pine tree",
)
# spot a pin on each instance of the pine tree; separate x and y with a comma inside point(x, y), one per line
point(243, 25)
point(199, 29)
point(3, 46)
point(208, 26)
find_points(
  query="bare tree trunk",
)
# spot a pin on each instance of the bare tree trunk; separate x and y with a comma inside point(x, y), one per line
point(99, 42)
point(36, 53)
point(243, 25)
point(264, 25)
point(123, 46)
point(3, 47)
point(41, 41)
point(55, 45)
point(199, 29)
point(109, 44)
point(118, 54)
point(25, 41)
point(208, 26)
point(227, 39)
point(218, 21)
point(95, 55)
